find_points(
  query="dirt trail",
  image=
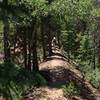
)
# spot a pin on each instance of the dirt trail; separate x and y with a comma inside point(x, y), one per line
point(61, 72)
point(58, 71)
point(44, 93)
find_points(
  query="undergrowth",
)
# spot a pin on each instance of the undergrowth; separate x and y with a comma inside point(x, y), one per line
point(71, 90)
point(94, 77)
point(14, 80)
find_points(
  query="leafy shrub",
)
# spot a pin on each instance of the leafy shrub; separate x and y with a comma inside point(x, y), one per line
point(70, 90)
point(14, 80)
point(94, 77)
point(91, 75)
point(39, 79)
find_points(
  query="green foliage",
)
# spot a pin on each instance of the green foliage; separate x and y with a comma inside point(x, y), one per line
point(71, 18)
point(84, 50)
point(72, 8)
point(74, 17)
point(23, 12)
point(41, 8)
point(96, 12)
point(39, 79)
point(71, 90)
point(94, 77)
point(1, 46)
point(15, 80)
point(1, 27)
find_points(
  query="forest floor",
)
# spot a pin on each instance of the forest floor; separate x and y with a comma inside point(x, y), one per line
point(58, 71)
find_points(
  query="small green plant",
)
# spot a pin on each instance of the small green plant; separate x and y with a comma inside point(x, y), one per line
point(14, 80)
point(94, 77)
point(70, 90)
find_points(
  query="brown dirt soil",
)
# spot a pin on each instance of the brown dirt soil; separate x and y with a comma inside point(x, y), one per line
point(58, 71)
point(45, 93)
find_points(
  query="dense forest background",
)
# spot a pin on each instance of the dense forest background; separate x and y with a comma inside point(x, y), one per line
point(26, 31)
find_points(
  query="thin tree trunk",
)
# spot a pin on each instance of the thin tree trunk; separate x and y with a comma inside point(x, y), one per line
point(43, 40)
point(14, 41)
point(25, 49)
point(49, 30)
point(49, 35)
point(7, 55)
point(58, 38)
point(98, 57)
point(29, 55)
point(34, 46)
point(34, 51)
point(94, 52)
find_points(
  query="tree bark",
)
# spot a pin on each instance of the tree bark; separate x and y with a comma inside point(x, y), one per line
point(25, 49)
point(94, 52)
point(34, 46)
point(58, 38)
point(7, 55)
point(43, 39)
point(29, 55)
point(34, 51)
point(49, 34)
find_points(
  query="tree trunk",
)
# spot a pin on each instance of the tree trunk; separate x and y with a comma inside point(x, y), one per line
point(34, 46)
point(94, 52)
point(58, 38)
point(49, 34)
point(34, 51)
point(25, 50)
point(43, 39)
point(7, 55)
point(29, 55)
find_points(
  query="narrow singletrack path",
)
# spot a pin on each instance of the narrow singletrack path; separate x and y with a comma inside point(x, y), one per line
point(58, 71)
